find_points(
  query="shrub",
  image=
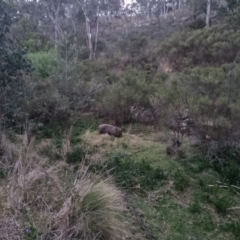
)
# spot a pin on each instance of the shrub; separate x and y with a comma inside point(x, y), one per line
point(44, 62)
point(199, 23)
point(222, 204)
point(229, 171)
point(131, 88)
point(208, 46)
point(180, 181)
point(195, 207)
point(76, 156)
point(50, 130)
point(129, 172)
point(209, 97)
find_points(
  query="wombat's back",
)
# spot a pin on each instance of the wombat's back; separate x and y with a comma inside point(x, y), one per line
point(110, 130)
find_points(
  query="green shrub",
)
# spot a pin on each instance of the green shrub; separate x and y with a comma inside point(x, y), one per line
point(44, 103)
point(50, 130)
point(44, 62)
point(181, 182)
point(229, 172)
point(197, 24)
point(215, 113)
point(222, 204)
point(203, 47)
point(129, 172)
point(134, 44)
point(229, 167)
point(76, 156)
point(130, 88)
point(195, 207)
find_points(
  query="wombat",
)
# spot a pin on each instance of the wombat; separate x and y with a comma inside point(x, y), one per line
point(110, 130)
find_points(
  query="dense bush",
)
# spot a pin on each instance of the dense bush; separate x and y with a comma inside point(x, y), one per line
point(210, 97)
point(43, 102)
point(13, 64)
point(209, 46)
point(131, 88)
point(44, 62)
point(56, 90)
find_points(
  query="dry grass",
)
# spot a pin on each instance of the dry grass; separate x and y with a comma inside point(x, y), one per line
point(105, 144)
point(55, 201)
point(10, 228)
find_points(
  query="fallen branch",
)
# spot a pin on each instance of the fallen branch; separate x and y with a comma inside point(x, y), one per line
point(233, 208)
point(235, 187)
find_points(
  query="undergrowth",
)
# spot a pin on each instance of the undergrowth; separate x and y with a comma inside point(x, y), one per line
point(131, 173)
point(55, 201)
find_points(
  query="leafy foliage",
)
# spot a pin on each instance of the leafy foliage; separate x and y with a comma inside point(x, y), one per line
point(12, 64)
point(132, 87)
point(44, 62)
point(209, 97)
point(209, 46)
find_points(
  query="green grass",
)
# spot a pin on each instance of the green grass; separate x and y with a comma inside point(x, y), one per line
point(185, 203)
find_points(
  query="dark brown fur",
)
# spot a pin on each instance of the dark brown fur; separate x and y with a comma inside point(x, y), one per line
point(110, 130)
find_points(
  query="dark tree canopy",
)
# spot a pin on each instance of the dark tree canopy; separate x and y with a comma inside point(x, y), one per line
point(12, 64)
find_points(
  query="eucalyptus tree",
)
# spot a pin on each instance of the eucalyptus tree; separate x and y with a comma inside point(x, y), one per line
point(92, 10)
point(54, 10)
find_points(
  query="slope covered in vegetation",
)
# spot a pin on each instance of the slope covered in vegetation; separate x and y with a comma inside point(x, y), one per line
point(169, 79)
point(160, 198)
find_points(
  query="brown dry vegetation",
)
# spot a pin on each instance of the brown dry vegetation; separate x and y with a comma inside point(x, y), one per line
point(45, 200)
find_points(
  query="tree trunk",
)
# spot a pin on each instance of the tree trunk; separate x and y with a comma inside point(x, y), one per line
point(96, 36)
point(89, 35)
point(148, 10)
point(208, 12)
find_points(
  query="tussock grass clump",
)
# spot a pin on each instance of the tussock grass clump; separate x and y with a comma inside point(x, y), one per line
point(42, 200)
point(97, 210)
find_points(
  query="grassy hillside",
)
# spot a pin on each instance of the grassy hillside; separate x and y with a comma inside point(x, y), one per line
point(61, 180)
point(156, 196)
point(188, 203)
